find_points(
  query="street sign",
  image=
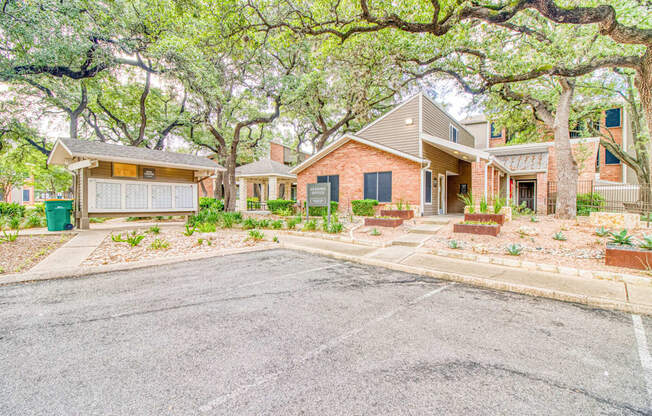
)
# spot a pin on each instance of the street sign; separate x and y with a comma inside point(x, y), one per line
point(318, 195)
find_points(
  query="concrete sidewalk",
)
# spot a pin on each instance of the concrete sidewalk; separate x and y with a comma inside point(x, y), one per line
point(73, 253)
point(609, 294)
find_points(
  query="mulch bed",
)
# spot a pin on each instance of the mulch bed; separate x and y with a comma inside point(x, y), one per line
point(24, 253)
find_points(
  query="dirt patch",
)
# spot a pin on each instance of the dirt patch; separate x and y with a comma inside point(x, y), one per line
point(27, 250)
point(582, 248)
point(110, 252)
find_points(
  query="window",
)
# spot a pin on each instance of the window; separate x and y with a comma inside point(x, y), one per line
point(612, 117)
point(334, 180)
point(25, 195)
point(428, 187)
point(281, 191)
point(293, 192)
point(452, 134)
point(495, 132)
point(378, 185)
point(610, 158)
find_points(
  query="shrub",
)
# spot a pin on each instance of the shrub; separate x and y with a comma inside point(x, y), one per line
point(154, 229)
point(484, 207)
point(454, 244)
point(292, 223)
point(264, 223)
point(97, 220)
point(559, 236)
point(227, 220)
point(14, 222)
point(286, 212)
point(256, 235)
point(277, 225)
point(621, 238)
point(321, 211)
point(499, 203)
point(310, 225)
point(467, 200)
point(134, 239)
point(646, 244)
point(207, 215)
point(40, 208)
point(137, 218)
point(275, 239)
point(514, 249)
point(364, 207)
point(12, 209)
point(117, 238)
point(249, 223)
point(189, 231)
point(33, 220)
point(8, 237)
point(589, 202)
point(602, 232)
point(159, 244)
point(207, 227)
point(279, 205)
point(335, 228)
point(211, 203)
point(533, 218)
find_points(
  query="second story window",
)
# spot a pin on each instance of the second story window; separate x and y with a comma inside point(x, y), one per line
point(495, 132)
point(612, 117)
point(452, 134)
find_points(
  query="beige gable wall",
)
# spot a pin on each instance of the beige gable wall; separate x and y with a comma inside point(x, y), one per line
point(436, 123)
point(479, 131)
point(391, 131)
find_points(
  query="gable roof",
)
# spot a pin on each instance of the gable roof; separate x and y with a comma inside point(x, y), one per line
point(264, 167)
point(70, 148)
point(528, 162)
point(346, 138)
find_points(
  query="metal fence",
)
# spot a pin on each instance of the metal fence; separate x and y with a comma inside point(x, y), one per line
point(592, 196)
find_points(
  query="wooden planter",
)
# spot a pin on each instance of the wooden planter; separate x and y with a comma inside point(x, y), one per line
point(383, 222)
point(497, 218)
point(406, 214)
point(630, 257)
point(481, 229)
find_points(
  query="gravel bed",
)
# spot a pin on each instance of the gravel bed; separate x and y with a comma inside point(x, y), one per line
point(27, 250)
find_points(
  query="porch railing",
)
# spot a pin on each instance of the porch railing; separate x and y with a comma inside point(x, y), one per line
point(256, 206)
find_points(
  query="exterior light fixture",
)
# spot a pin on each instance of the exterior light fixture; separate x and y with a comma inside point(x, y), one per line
point(408, 121)
point(456, 152)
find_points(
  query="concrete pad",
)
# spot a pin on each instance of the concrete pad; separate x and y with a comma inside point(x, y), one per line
point(338, 247)
point(550, 281)
point(393, 254)
point(640, 294)
point(410, 240)
point(425, 229)
point(73, 253)
point(436, 221)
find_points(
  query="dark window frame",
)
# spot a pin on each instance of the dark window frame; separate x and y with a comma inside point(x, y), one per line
point(450, 133)
point(335, 185)
point(609, 119)
point(492, 129)
point(377, 191)
point(614, 160)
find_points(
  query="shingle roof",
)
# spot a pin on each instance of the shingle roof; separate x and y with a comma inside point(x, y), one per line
point(263, 167)
point(525, 162)
point(108, 151)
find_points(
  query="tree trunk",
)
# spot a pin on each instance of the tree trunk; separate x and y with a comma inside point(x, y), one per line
point(219, 182)
point(567, 171)
point(643, 83)
point(229, 183)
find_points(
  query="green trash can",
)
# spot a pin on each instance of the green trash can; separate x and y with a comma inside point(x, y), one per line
point(57, 213)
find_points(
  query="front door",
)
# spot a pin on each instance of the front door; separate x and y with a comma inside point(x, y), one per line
point(526, 194)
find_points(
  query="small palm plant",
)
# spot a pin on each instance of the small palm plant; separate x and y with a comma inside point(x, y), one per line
point(621, 238)
point(467, 200)
point(155, 229)
point(559, 236)
point(514, 249)
point(159, 244)
point(499, 203)
point(484, 207)
point(134, 239)
point(189, 230)
point(117, 238)
point(256, 235)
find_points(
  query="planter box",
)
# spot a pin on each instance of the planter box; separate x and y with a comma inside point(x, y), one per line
point(383, 222)
point(630, 257)
point(497, 218)
point(491, 230)
point(406, 214)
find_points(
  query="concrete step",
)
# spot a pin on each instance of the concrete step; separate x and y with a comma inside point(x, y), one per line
point(436, 221)
point(425, 229)
point(410, 240)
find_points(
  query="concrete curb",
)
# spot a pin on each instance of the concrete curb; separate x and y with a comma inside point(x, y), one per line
point(77, 272)
point(601, 303)
point(542, 267)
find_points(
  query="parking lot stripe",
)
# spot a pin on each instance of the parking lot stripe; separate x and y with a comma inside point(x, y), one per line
point(323, 347)
point(644, 355)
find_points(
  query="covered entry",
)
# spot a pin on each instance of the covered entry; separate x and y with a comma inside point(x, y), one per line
point(526, 191)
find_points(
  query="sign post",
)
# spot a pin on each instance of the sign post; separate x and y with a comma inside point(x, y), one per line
point(318, 195)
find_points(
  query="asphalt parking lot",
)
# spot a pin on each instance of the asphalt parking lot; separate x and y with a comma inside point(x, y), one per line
point(283, 332)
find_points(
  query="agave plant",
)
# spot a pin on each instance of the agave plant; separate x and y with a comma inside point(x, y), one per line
point(621, 238)
point(559, 236)
point(646, 244)
point(454, 244)
point(602, 232)
point(514, 249)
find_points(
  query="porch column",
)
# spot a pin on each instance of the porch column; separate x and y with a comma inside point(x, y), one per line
point(242, 194)
point(509, 191)
point(478, 180)
point(273, 188)
point(84, 222)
